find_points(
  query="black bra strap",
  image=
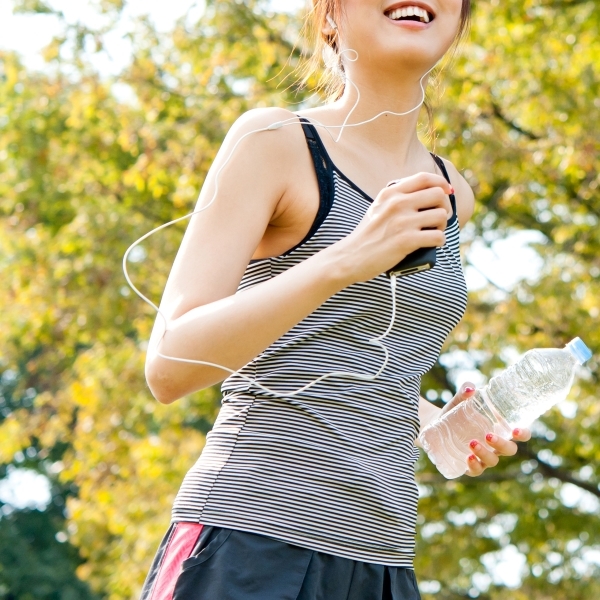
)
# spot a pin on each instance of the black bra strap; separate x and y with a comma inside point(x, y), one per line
point(321, 160)
point(440, 163)
point(324, 172)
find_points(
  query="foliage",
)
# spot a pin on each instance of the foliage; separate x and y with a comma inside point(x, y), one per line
point(87, 166)
point(520, 115)
point(34, 564)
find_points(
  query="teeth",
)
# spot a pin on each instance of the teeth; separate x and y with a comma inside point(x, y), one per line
point(410, 11)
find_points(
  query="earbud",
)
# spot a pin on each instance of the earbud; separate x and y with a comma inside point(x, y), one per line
point(331, 22)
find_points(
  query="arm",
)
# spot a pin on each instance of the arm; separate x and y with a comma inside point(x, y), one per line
point(481, 458)
point(206, 320)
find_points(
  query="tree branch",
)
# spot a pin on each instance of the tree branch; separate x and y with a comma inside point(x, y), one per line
point(548, 470)
point(500, 115)
point(498, 287)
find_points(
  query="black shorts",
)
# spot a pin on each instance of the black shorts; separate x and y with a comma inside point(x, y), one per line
point(196, 562)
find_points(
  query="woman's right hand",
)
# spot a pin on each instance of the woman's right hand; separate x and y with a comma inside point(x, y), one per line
point(410, 213)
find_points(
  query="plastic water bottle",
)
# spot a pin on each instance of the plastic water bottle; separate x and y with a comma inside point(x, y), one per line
point(515, 398)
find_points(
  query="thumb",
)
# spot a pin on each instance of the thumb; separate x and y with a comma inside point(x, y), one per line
point(465, 392)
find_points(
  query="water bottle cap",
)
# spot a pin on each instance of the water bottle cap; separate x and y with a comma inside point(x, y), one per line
point(579, 350)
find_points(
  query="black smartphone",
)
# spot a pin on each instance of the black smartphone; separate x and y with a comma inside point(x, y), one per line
point(421, 259)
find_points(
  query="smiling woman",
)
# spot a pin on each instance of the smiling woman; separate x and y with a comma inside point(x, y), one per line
point(325, 39)
point(306, 486)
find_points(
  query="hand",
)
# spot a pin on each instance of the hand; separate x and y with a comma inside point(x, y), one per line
point(482, 458)
point(408, 214)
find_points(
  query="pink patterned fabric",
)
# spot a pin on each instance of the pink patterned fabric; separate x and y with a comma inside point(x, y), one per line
point(180, 546)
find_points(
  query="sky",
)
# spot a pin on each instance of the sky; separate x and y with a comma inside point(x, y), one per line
point(502, 262)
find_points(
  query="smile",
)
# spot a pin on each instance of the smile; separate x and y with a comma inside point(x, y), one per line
point(410, 12)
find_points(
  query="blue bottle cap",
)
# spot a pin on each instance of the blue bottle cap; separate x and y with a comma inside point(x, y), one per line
point(579, 350)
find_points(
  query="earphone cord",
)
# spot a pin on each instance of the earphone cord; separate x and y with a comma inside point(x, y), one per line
point(377, 341)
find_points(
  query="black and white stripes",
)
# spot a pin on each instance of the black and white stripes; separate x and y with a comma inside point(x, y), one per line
point(331, 468)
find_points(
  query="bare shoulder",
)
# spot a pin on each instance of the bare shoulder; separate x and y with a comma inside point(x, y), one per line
point(258, 154)
point(263, 137)
point(281, 125)
point(465, 199)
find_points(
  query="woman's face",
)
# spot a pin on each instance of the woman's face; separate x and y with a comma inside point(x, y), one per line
point(392, 34)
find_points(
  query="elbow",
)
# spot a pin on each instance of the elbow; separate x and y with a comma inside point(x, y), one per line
point(161, 385)
point(168, 384)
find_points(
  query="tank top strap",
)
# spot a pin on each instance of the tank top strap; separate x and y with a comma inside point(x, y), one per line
point(440, 163)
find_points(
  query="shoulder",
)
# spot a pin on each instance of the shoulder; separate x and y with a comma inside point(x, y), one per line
point(280, 124)
point(465, 199)
point(265, 136)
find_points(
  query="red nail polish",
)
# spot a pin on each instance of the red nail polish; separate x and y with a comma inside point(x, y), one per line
point(474, 444)
point(472, 457)
point(489, 437)
point(451, 190)
point(516, 432)
point(469, 389)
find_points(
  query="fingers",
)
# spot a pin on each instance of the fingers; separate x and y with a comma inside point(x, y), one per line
point(501, 446)
point(426, 191)
point(522, 435)
point(474, 466)
point(435, 218)
point(488, 458)
point(421, 181)
point(483, 458)
point(465, 392)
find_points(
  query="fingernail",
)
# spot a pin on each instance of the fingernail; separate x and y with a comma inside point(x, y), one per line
point(472, 457)
point(469, 389)
point(474, 444)
point(516, 432)
point(490, 437)
point(451, 190)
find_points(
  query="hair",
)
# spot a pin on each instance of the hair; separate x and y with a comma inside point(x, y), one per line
point(331, 81)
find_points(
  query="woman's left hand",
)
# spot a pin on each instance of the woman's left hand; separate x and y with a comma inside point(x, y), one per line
point(481, 458)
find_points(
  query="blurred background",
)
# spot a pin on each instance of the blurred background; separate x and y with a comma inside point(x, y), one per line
point(110, 114)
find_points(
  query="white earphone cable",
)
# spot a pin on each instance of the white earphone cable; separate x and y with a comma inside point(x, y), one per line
point(378, 341)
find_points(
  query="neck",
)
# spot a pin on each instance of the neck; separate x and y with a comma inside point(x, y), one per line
point(370, 96)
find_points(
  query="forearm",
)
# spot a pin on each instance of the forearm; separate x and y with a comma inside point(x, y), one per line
point(234, 330)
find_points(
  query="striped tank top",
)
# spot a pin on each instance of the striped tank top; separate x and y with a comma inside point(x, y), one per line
point(332, 468)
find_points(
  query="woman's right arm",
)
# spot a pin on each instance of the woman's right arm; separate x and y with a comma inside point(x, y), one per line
point(206, 320)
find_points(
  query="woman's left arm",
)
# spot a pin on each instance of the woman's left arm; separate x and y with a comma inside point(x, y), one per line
point(480, 458)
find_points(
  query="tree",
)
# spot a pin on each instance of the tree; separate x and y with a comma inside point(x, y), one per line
point(84, 175)
point(520, 113)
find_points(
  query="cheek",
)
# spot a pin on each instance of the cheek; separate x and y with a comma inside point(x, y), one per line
point(361, 23)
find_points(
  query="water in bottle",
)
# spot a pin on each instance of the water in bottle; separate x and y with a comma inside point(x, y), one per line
point(515, 398)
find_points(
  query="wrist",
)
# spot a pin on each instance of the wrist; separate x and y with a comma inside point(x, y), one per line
point(335, 267)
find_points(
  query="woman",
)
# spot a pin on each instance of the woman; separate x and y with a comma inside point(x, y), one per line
point(306, 486)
